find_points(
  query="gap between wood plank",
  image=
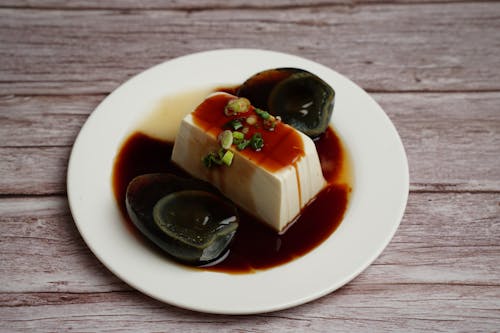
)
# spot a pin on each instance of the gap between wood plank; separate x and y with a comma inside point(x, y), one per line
point(351, 4)
point(436, 91)
point(417, 191)
point(36, 146)
point(31, 195)
point(415, 187)
point(367, 285)
point(368, 90)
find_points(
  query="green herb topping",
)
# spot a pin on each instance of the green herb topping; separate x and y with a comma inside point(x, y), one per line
point(234, 124)
point(257, 142)
point(227, 159)
point(226, 139)
point(235, 130)
point(220, 157)
point(263, 114)
point(237, 105)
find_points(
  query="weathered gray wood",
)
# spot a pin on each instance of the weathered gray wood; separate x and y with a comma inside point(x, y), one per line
point(31, 171)
point(382, 47)
point(40, 239)
point(443, 239)
point(445, 136)
point(441, 271)
point(28, 121)
point(375, 308)
point(198, 5)
point(452, 140)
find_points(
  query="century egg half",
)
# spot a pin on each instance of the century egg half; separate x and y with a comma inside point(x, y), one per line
point(186, 218)
point(300, 98)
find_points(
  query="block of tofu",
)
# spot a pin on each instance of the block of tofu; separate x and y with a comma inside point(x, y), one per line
point(272, 184)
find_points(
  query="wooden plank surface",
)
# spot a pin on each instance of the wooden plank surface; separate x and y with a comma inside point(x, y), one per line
point(432, 65)
point(438, 131)
point(193, 5)
point(404, 286)
point(419, 47)
point(442, 239)
point(396, 308)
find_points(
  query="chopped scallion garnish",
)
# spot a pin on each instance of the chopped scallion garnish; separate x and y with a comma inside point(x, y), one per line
point(234, 132)
point(227, 159)
point(243, 144)
point(237, 105)
point(256, 142)
point(270, 123)
point(211, 159)
point(252, 120)
point(220, 157)
point(238, 137)
point(226, 139)
point(234, 124)
point(263, 114)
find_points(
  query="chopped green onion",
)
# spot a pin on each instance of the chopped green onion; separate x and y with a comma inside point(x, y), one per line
point(211, 159)
point(256, 142)
point(220, 157)
point(252, 120)
point(270, 123)
point(207, 161)
point(234, 132)
point(237, 105)
point(263, 114)
point(227, 159)
point(226, 139)
point(243, 144)
point(238, 137)
point(234, 124)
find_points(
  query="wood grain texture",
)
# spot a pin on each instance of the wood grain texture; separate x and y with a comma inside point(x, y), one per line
point(34, 121)
point(33, 171)
point(443, 134)
point(194, 5)
point(381, 47)
point(432, 65)
point(408, 308)
point(40, 239)
point(443, 239)
point(452, 140)
point(440, 273)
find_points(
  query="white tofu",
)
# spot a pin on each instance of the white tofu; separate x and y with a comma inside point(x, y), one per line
point(276, 198)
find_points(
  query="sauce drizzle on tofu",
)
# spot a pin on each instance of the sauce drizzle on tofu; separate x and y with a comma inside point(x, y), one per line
point(273, 177)
point(282, 146)
point(255, 246)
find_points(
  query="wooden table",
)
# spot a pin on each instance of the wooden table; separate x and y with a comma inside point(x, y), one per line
point(434, 66)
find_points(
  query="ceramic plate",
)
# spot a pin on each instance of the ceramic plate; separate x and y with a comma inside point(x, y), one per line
point(375, 209)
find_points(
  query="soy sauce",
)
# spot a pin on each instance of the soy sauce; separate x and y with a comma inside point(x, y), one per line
point(255, 246)
point(283, 146)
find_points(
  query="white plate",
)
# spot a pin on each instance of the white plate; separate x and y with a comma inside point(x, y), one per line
point(375, 210)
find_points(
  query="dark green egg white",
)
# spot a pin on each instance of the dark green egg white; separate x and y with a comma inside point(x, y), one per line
point(186, 218)
point(300, 98)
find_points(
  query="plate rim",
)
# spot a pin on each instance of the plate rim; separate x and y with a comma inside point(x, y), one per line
point(221, 309)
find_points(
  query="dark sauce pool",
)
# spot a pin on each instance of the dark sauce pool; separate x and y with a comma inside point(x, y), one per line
point(255, 245)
